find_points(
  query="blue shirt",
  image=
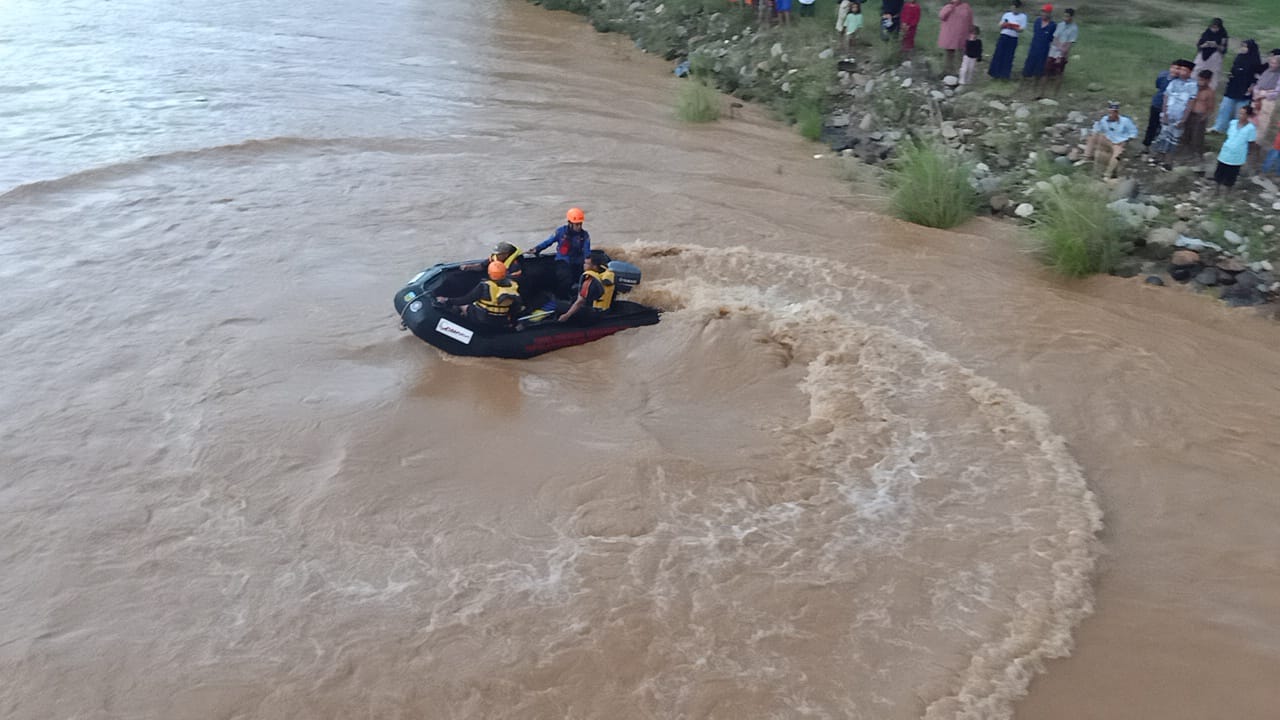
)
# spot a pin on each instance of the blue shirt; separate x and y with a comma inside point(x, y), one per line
point(571, 247)
point(1235, 150)
point(1162, 81)
point(1122, 130)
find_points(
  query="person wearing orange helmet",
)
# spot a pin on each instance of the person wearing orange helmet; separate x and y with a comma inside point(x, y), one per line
point(573, 245)
point(494, 301)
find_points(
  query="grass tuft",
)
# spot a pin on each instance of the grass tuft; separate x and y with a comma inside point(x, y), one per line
point(1077, 234)
point(931, 186)
point(697, 102)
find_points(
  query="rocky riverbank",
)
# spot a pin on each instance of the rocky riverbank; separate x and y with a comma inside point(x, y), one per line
point(1018, 150)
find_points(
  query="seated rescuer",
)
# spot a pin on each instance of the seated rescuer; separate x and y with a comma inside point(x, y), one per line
point(573, 244)
point(595, 292)
point(505, 253)
point(494, 302)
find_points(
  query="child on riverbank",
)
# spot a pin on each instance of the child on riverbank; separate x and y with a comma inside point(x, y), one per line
point(910, 21)
point(852, 23)
point(972, 56)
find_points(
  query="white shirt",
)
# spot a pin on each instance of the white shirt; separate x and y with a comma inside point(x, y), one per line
point(1019, 19)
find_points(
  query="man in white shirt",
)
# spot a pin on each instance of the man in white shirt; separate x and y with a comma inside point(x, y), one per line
point(1109, 136)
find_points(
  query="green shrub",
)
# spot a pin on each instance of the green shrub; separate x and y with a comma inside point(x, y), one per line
point(809, 121)
point(697, 102)
point(1077, 234)
point(931, 186)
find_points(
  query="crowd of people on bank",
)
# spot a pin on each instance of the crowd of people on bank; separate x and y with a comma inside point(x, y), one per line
point(1182, 111)
point(1185, 107)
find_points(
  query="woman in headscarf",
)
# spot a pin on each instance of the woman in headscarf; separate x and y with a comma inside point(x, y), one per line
point(1244, 71)
point(1210, 49)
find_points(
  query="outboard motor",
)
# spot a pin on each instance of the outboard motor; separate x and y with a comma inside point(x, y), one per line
point(625, 276)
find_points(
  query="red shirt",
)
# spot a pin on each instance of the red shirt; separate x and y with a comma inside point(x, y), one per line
point(911, 14)
point(1276, 144)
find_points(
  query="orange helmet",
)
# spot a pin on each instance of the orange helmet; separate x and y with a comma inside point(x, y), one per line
point(497, 270)
point(575, 215)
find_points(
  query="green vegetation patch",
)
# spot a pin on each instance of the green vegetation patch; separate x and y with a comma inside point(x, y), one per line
point(1077, 234)
point(930, 186)
point(697, 102)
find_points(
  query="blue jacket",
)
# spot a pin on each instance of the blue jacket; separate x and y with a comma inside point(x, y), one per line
point(571, 247)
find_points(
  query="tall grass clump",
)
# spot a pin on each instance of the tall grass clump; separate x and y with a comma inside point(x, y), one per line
point(809, 120)
point(697, 102)
point(1077, 234)
point(931, 186)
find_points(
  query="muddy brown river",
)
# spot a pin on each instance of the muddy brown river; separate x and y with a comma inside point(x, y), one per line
point(861, 469)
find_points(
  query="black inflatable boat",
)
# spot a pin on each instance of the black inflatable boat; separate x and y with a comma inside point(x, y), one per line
point(449, 331)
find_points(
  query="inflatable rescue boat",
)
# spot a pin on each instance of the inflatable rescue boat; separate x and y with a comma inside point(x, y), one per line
point(532, 334)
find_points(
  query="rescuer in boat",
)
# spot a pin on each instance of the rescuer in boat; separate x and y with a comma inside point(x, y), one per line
point(595, 291)
point(573, 245)
point(505, 253)
point(494, 302)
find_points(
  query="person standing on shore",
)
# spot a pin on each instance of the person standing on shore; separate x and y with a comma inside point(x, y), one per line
point(972, 56)
point(1244, 70)
point(1042, 31)
point(956, 18)
point(1177, 98)
point(910, 22)
point(1235, 149)
point(1110, 134)
point(852, 23)
point(806, 8)
point(1059, 50)
point(890, 19)
point(783, 10)
point(1198, 114)
point(1265, 91)
point(1210, 49)
point(1157, 106)
point(1272, 164)
point(1011, 24)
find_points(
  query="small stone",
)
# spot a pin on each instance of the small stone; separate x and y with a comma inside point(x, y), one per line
point(1154, 280)
point(951, 81)
point(906, 83)
point(1232, 265)
point(999, 202)
point(877, 136)
point(1025, 210)
point(1268, 229)
point(1185, 258)
point(826, 54)
point(1162, 237)
point(998, 106)
point(867, 122)
point(981, 169)
point(1060, 180)
point(1207, 277)
point(937, 95)
point(1021, 113)
point(839, 120)
point(871, 85)
point(776, 50)
point(1043, 186)
point(1232, 237)
point(1048, 102)
point(1059, 149)
point(1094, 87)
point(949, 131)
point(1075, 117)
point(786, 87)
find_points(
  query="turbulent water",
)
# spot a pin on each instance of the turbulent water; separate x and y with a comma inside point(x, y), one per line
point(231, 488)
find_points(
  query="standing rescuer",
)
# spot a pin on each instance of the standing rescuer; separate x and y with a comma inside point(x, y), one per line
point(494, 301)
point(573, 245)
